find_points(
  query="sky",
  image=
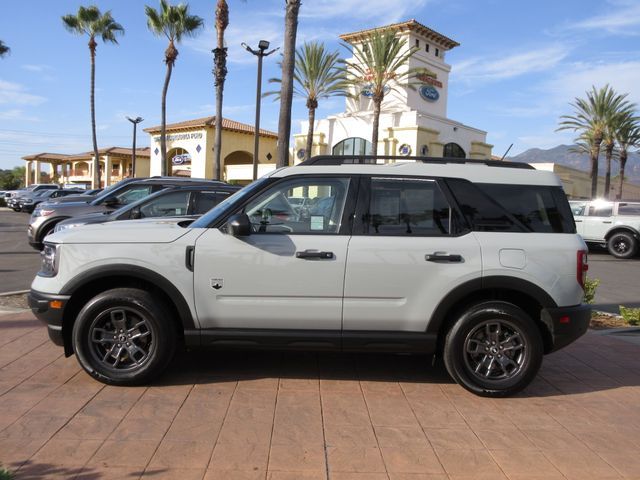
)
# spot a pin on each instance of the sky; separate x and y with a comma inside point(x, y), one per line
point(517, 68)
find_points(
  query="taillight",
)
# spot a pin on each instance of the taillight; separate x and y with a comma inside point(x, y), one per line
point(582, 267)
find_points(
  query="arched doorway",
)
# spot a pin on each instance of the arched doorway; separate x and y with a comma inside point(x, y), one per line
point(179, 162)
point(238, 167)
point(453, 150)
point(352, 146)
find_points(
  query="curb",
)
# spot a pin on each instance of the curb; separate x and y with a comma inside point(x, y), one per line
point(17, 292)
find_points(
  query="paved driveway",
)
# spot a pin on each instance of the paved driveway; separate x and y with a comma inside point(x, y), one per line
point(18, 261)
point(299, 416)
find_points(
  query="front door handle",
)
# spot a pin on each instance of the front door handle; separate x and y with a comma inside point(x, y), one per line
point(442, 257)
point(314, 254)
point(606, 221)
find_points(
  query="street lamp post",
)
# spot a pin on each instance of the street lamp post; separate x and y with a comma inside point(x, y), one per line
point(135, 122)
point(260, 53)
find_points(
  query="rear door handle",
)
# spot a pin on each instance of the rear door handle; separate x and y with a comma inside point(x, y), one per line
point(314, 254)
point(442, 257)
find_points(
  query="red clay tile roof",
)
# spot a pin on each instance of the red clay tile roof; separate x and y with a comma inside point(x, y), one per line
point(62, 157)
point(410, 25)
point(209, 122)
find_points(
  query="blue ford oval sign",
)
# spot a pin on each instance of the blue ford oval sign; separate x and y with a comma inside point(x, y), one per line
point(429, 93)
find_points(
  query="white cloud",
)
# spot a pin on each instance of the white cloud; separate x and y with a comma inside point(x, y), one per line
point(544, 138)
point(620, 20)
point(36, 68)
point(17, 114)
point(483, 70)
point(16, 94)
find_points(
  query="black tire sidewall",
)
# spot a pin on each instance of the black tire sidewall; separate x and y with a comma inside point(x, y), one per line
point(628, 237)
point(154, 311)
point(454, 349)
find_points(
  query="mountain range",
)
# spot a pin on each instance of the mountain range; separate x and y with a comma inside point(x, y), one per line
point(563, 155)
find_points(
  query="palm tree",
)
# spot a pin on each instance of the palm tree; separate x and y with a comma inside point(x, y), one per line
point(219, 73)
point(286, 91)
point(591, 115)
point(614, 122)
point(90, 21)
point(316, 75)
point(173, 22)
point(379, 64)
point(627, 136)
point(4, 50)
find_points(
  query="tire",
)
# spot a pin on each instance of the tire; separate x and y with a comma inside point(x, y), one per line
point(133, 354)
point(622, 245)
point(484, 368)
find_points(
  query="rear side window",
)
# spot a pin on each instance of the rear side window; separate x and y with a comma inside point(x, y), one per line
point(629, 209)
point(491, 207)
point(407, 207)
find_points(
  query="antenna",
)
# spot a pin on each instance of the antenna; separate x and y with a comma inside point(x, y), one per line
point(505, 153)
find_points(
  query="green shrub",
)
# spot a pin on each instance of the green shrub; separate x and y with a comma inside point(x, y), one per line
point(5, 474)
point(590, 286)
point(630, 315)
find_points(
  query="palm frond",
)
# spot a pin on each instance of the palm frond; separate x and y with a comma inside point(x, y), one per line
point(4, 49)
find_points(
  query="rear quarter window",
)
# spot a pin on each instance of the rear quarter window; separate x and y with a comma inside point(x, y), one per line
point(492, 207)
point(629, 209)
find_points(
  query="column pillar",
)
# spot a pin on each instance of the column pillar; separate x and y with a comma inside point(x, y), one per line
point(36, 166)
point(107, 170)
point(27, 173)
point(91, 175)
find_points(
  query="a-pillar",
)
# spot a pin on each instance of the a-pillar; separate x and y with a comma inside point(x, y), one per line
point(36, 166)
point(107, 170)
point(27, 173)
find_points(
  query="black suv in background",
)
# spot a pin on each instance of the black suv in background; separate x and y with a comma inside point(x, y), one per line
point(47, 215)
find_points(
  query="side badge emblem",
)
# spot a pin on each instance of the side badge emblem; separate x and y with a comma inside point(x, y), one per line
point(216, 283)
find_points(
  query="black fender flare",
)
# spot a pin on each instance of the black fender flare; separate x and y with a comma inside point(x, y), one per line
point(467, 289)
point(135, 272)
point(625, 228)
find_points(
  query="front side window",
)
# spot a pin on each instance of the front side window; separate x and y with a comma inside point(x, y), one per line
point(578, 208)
point(401, 206)
point(300, 206)
point(601, 210)
point(171, 204)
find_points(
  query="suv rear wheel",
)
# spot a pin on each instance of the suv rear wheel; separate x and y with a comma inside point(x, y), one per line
point(494, 349)
point(622, 245)
point(124, 337)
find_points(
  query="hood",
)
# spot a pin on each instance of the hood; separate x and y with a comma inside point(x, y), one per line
point(73, 198)
point(98, 217)
point(151, 230)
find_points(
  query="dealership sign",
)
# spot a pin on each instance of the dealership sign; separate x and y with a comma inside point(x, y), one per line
point(429, 78)
point(429, 93)
point(181, 159)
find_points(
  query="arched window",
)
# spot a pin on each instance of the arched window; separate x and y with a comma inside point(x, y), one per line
point(352, 146)
point(453, 150)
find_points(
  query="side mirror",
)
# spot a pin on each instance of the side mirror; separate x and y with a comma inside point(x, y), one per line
point(135, 214)
point(239, 225)
point(111, 202)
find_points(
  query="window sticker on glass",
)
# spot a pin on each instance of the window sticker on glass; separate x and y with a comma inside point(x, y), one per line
point(317, 222)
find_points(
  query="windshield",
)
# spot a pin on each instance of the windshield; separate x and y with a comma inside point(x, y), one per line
point(209, 217)
point(105, 193)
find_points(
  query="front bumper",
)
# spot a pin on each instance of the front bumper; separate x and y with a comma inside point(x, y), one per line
point(49, 309)
point(566, 324)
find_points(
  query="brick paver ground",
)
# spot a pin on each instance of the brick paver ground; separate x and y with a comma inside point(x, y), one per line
point(301, 416)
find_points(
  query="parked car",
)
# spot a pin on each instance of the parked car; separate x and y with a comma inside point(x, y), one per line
point(85, 196)
point(12, 199)
point(181, 201)
point(475, 261)
point(47, 215)
point(28, 203)
point(614, 225)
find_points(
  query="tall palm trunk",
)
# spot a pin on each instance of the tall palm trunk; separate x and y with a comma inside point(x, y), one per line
point(311, 105)
point(377, 106)
point(608, 151)
point(286, 92)
point(220, 73)
point(96, 158)
point(170, 57)
point(623, 163)
point(595, 153)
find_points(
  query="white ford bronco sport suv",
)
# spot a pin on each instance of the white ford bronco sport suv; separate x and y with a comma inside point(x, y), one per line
point(615, 225)
point(476, 261)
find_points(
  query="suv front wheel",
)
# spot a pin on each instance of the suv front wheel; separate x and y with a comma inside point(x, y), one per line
point(124, 337)
point(494, 349)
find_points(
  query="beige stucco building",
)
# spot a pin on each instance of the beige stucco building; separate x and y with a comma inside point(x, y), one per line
point(190, 149)
point(115, 164)
point(413, 119)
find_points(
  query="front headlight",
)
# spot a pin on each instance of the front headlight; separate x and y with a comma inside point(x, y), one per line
point(42, 212)
point(49, 255)
point(60, 227)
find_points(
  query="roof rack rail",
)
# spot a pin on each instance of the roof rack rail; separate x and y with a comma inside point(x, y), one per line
point(374, 160)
